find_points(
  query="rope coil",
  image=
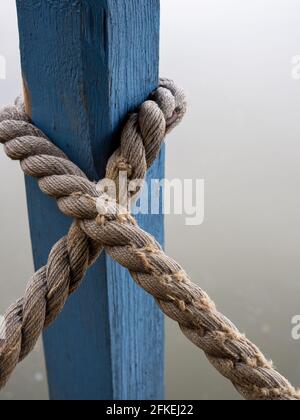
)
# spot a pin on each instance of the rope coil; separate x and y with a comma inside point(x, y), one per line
point(230, 352)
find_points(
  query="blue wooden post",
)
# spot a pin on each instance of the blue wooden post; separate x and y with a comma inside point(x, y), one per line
point(86, 64)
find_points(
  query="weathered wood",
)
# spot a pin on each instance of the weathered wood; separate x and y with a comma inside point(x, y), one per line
point(85, 64)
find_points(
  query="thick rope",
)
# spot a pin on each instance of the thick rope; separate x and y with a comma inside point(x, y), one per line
point(49, 288)
point(230, 352)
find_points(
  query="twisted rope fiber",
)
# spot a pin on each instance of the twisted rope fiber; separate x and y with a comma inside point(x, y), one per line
point(49, 288)
point(227, 349)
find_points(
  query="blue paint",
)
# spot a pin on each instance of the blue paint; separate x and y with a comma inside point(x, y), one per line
point(87, 63)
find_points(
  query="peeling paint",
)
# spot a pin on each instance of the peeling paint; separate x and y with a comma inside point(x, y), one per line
point(27, 98)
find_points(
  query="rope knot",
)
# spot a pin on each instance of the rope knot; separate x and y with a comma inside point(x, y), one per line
point(144, 132)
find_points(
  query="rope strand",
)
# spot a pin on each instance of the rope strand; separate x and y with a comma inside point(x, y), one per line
point(230, 352)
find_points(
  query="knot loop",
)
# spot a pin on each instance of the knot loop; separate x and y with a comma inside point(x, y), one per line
point(144, 132)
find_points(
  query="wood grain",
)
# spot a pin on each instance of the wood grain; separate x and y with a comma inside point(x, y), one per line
point(86, 64)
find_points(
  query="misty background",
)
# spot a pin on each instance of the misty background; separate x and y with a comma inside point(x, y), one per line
point(241, 135)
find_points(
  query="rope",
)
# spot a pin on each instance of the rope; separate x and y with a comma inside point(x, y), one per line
point(230, 352)
point(49, 288)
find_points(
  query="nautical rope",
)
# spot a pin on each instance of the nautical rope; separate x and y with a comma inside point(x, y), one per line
point(230, 352)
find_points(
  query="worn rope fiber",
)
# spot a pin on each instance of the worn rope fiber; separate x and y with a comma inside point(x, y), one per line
point(229, 351)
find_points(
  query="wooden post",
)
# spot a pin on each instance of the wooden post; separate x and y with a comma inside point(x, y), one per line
point(86, 64)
